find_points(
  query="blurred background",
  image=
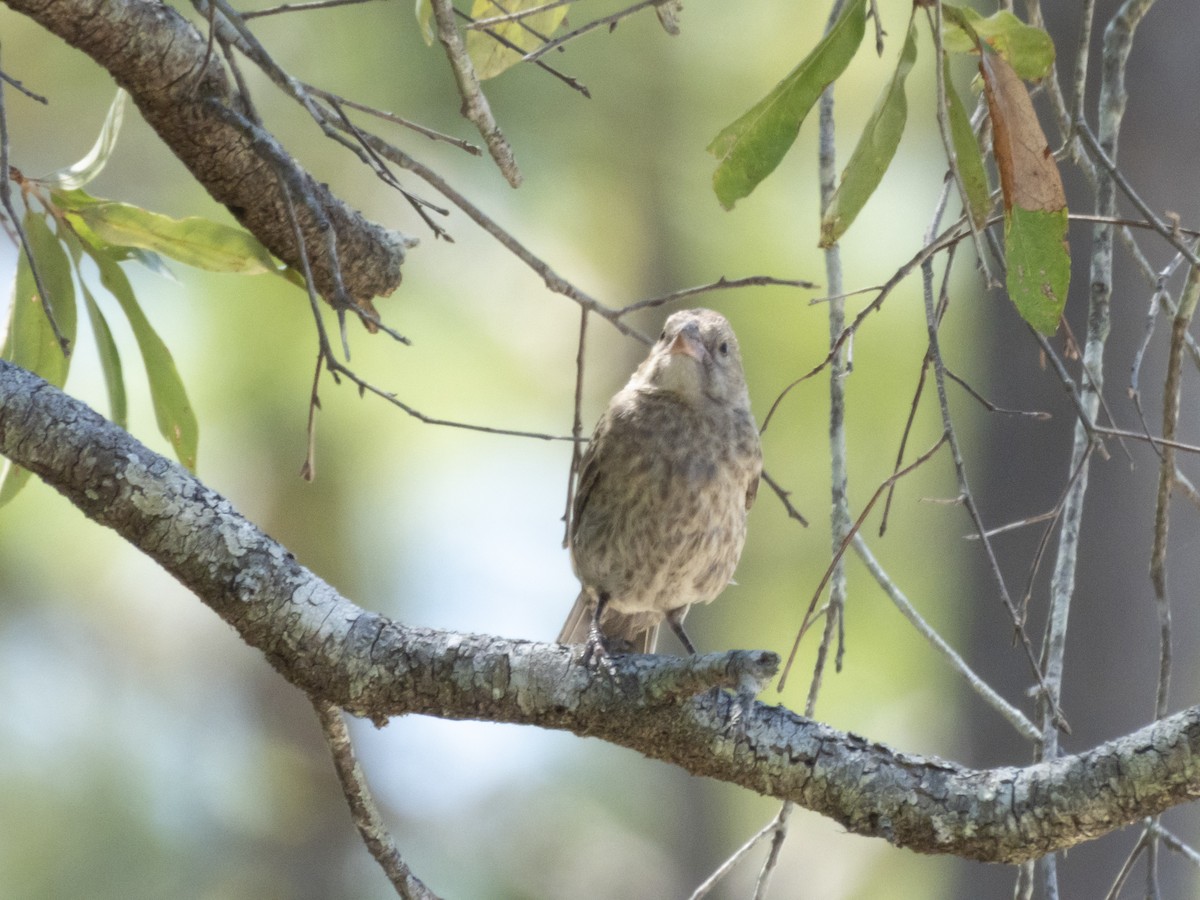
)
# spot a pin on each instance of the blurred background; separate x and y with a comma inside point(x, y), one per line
point(145, 751)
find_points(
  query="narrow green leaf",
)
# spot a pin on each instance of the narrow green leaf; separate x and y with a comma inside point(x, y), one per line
point(1029, 50)
point(490, 56)
point(172, 411)
point(195, 241)
point(748, 150)
point(968, 155)
point(424, 13)
point(110, 361)
point(1039, 264)
point(80, 173)
point(30, 341)
point(106, 346)
point(875, 149)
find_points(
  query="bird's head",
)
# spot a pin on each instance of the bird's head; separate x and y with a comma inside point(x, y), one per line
point(696, 357)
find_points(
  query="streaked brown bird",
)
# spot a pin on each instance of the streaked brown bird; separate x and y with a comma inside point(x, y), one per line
point(659, 518)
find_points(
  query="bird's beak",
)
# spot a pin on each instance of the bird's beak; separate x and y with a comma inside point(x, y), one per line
point(688, 343)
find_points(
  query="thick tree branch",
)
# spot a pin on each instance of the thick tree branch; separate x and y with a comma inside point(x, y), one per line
point(183, 93)
point(658, 705)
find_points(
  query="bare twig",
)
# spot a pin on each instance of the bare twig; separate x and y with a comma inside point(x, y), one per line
point(475, 104)
point(1014, 716)
point(299, 8)
point(363, 810)
point(576, 428)
point(840, 551)
point(64, 345)
point(705, 887)
point(721, 283)
point(573, 83)
point(339, 100)
point(517, 15)
point(785, 498)
point(609, 20)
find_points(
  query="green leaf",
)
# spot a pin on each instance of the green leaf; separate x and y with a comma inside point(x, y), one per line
point(1039, 264)
point(424, 13)
point(79, 174)
point(30, 341)
point(110, 360)
point(1029, 50)
point(106, 346)
point(195, 241)
point(748, 150)
point(968, 155)
point(490, 56)
point(172, 410)
point(875, 149)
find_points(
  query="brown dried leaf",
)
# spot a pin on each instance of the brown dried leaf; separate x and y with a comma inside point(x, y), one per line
point(1029, 176)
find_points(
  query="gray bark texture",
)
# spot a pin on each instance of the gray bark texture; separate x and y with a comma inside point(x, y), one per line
point(695, 713)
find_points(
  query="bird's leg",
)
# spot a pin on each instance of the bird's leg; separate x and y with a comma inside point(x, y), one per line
point(675, 620)
point(597, 644)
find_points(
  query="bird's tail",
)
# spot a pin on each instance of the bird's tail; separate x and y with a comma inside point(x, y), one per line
point(629, 634)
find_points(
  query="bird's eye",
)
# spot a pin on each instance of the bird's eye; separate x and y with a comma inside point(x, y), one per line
point(724, 348)
point(662, 337)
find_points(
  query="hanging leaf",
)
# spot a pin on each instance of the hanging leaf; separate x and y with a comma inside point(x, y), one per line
point(79, 174)
point(875, 149)
point(1035, 205)
point(748, 150)
point(968, 156)
point(110, 360)
point(425, 21)
point(491, 56)
point(30, 341)
point(172, 411)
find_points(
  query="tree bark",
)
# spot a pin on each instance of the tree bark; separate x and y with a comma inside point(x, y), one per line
point(664, 707)
point(182, 91)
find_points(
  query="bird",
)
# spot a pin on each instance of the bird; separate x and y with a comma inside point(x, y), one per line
point(671, 471)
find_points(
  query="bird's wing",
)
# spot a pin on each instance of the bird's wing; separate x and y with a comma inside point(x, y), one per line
point(589, 474)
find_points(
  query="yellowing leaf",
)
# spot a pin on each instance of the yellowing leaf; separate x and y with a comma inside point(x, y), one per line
point(1035, 205)
point(195, 241)
point(491, 53)
point(30, 341)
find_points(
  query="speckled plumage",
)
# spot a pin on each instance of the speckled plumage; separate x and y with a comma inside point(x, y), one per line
point(672, 469)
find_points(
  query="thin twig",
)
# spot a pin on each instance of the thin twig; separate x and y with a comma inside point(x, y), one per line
point(785, 498)
point(475, 105)
point(298, 7)
point(840, 551)
point(517, 15)
point(778, 836)
point(4, 76)
point(609, 20)
point(569, 81)
point(705, 887)
point(576, 429)
point(430, 133)
point(1014, 716)
point(64, 345)
point(721, 283)
point(363, 811)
